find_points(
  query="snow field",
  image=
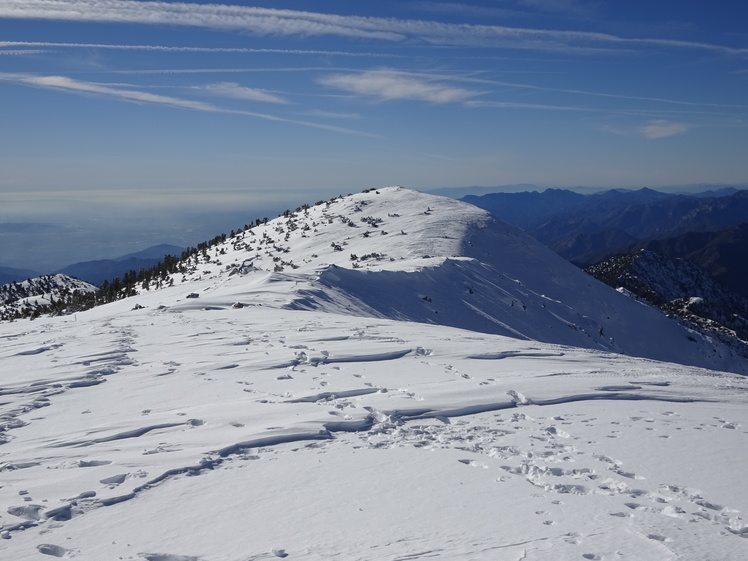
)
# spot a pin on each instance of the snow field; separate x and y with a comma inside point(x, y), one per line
point(270, 431)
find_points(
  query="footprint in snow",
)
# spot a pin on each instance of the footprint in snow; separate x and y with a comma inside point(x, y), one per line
point(93, 463)
point(53, 550)
point(473, 463)
point(115, 479)
point(557, 432)
point(27, 512)
point(167, 557)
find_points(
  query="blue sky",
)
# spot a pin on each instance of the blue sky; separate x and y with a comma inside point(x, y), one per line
point(126, 108)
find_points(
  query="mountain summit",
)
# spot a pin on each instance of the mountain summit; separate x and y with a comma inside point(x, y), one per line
point(400, 254)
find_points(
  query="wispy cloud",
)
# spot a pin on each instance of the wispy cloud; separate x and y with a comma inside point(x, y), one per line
point(77, 86)
point(662, 128)
point(652, 130)
point(188, 49)
point(390, 85)
point(576, 7)
point(266, 21)
point(20, 52)
point(235, 91)
point(443, 7)
point(229, 70)
point(509, 8)
point(332, 114)
point(627, 97)
point(521, 105)
point(258, 20)
point(92, 88)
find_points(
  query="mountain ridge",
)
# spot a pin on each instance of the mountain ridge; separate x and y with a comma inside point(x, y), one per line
point(721, 253)
point(400, 254)
point(555, 216)
point(442, 261)
point(681, 289)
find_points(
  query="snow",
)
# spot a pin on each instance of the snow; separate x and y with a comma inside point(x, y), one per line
point(439, 261)
point(40, 291)
point(311, 423)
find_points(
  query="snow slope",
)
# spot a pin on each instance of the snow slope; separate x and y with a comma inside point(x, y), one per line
point(195, 429)
point(681, 289)
point(228, 434)
point(405, 255)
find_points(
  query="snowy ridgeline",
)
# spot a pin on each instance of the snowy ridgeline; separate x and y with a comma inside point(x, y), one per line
point(404, 255)
point(442, 390)
point(399, 254)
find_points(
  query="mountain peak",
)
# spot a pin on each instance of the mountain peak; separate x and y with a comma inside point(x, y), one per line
point(400, 254)
point(391, 228)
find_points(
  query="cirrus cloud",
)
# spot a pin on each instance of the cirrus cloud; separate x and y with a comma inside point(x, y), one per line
point(662, 128)
point(388, 85)
point(283, 22)
point(71, 85)
point(115, 91)
point(235, 91)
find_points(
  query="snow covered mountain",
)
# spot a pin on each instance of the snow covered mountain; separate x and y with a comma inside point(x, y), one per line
point(400, 254)
point(721, 254)
point(384, 376)
point(24, 299)
point(681, 289)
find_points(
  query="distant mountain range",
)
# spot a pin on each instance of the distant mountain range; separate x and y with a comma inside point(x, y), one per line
point(10, 274)
point(696, 190)
point(557, 214)
point(97, 271)
point(707, 228)
point(100, 270)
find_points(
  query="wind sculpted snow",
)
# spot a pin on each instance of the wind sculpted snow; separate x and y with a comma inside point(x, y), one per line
point(420, 438)
point(196, 429)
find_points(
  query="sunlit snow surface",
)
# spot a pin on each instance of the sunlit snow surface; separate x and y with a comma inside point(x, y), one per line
point(190, 430)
